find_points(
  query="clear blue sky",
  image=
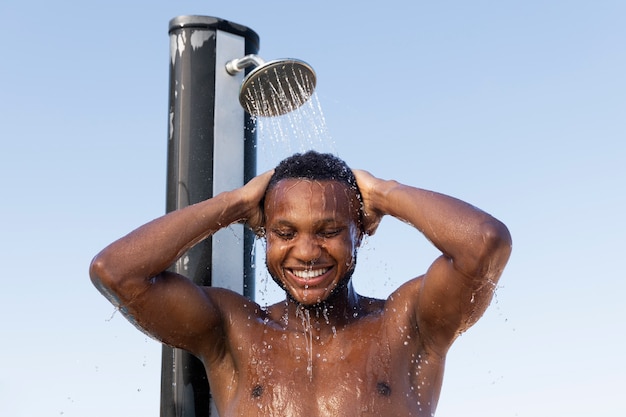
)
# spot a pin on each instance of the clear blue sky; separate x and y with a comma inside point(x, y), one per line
point(518, 107)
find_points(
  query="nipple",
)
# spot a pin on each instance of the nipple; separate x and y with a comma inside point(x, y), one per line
point(257, 391)
point(383, 389)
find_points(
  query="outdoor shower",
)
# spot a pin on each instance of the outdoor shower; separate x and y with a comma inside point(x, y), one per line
point(212, 148)
point(273, 88)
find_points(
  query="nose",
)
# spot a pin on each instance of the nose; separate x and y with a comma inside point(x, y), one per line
point(307, 249)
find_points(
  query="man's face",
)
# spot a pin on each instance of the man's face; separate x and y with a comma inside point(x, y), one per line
point(312, 237)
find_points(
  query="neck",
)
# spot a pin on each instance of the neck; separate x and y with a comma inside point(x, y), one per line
point(342, 307)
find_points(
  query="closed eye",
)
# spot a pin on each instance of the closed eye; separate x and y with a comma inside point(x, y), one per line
point(330, 233)
point(284, 234)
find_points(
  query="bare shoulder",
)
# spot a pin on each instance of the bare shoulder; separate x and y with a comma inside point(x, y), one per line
point(233, 305)
point(401, 313)
point(404, 298)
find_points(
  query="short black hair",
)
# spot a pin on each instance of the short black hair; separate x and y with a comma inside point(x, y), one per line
point(316, 166)
point(313, 165)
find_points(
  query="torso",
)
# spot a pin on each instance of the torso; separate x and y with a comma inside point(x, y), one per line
point(374, 365)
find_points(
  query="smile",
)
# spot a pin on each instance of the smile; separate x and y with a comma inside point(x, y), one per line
point(310, 273)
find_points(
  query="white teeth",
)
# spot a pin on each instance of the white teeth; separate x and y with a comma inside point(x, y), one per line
point(310, 273)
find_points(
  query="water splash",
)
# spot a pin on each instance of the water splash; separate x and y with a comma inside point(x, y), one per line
point(305, 315)
point(302, 128)
point(297, 131)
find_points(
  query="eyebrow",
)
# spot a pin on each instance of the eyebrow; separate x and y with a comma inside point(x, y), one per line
point(322, 222)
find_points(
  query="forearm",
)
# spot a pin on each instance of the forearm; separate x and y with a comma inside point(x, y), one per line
point(467, 235)
point(153, 247)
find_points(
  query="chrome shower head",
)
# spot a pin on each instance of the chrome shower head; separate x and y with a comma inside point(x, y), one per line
point(273, 88)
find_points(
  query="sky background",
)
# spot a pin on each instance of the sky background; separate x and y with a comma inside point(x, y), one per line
point(517, 107)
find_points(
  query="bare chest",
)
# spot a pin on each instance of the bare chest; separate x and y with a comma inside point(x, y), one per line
point(350, 372)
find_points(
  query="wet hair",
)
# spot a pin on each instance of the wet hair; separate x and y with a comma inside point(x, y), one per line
point(316, 166)
point(313, 165)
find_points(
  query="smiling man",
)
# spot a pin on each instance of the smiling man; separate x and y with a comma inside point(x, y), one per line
point(325, 350)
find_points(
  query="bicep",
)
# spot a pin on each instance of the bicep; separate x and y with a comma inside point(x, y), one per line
point(449, 302)
point(175, 311)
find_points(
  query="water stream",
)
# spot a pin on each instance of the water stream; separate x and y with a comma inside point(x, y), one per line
point(299, 130)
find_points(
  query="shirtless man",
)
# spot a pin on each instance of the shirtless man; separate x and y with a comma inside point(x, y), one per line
point(325, 350)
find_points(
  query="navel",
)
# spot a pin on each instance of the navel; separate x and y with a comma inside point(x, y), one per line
point(383, 389)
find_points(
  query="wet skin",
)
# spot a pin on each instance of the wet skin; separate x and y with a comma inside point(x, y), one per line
point(312, 235)
point(283, 363)
point(325, 350)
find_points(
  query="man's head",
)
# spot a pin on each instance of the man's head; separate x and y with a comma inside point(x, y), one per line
point(313, 226)
point(317, 166)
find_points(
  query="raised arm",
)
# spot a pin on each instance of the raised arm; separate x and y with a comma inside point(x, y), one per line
point(475, 247)
point(131, 271)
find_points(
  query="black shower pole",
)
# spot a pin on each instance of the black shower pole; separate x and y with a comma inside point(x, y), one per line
point(211, 148)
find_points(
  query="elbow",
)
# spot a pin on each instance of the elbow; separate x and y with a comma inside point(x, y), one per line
point(495, 248)
point(97, 271)
point(103, 278)
point(497, 236)
point(486, 252)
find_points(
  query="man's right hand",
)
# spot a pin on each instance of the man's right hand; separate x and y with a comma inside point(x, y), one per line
point(254, 191)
